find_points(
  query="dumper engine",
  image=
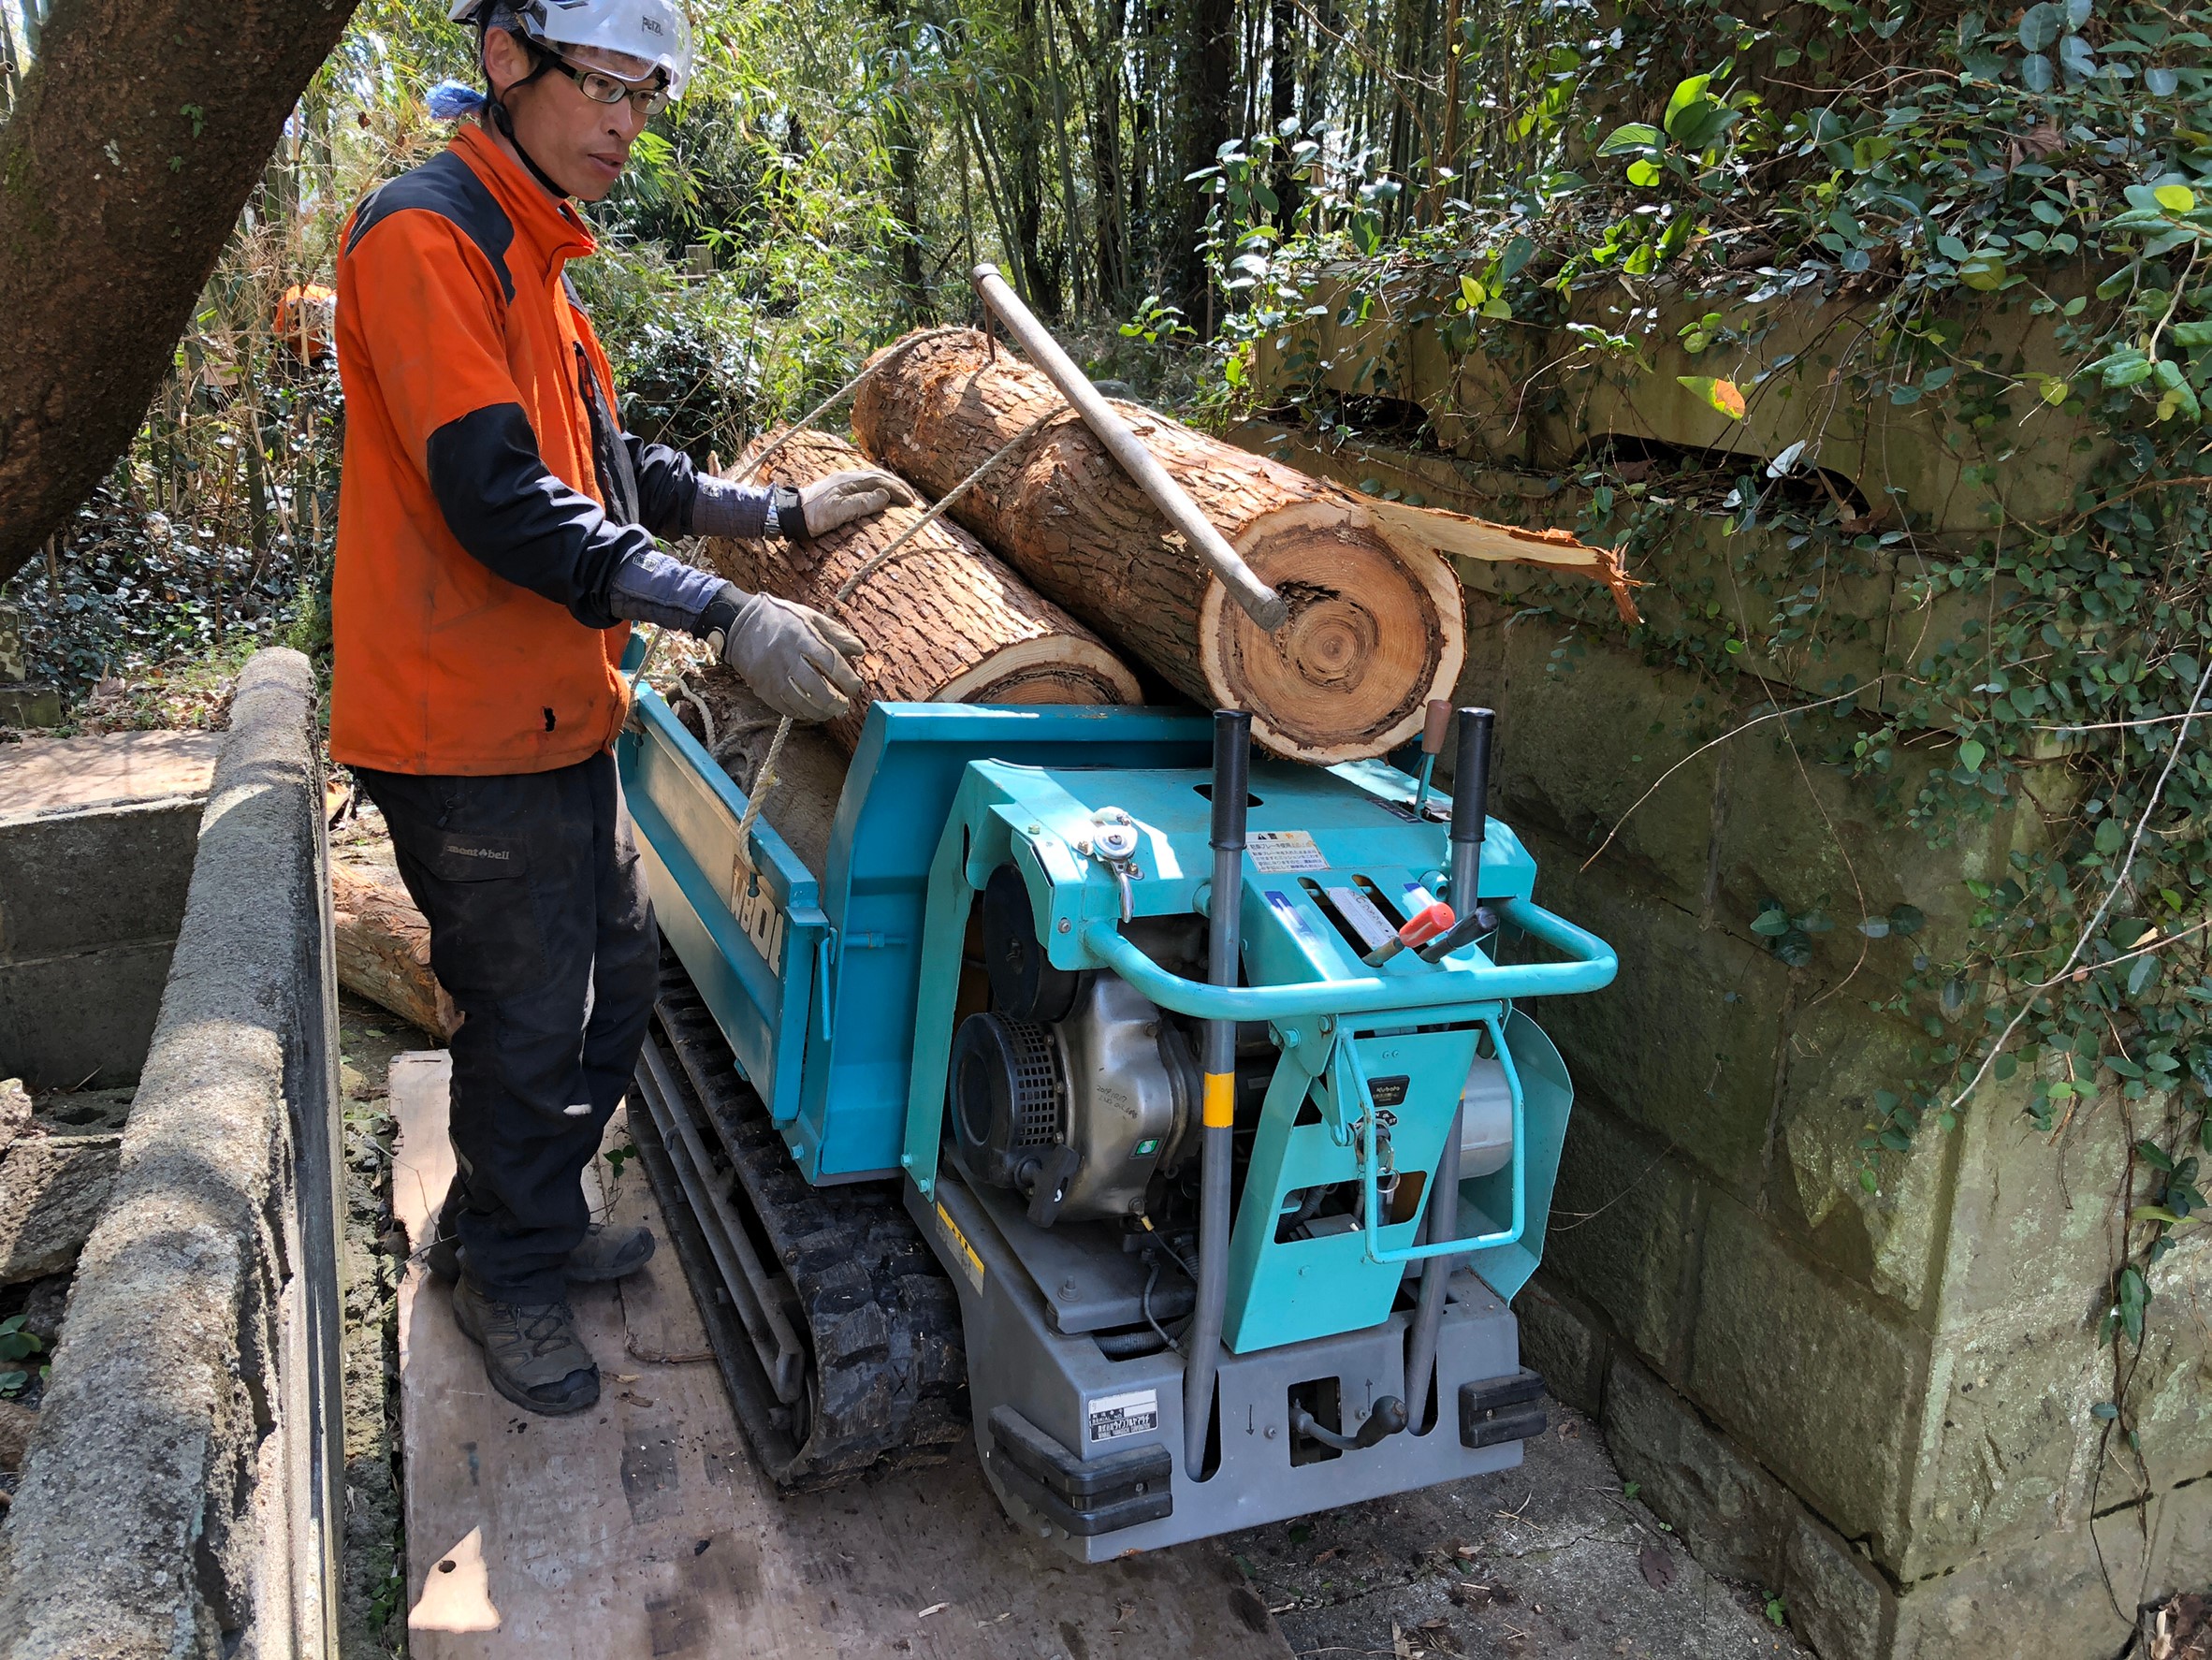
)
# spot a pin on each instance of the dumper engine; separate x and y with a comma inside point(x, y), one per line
point(1075, 1090)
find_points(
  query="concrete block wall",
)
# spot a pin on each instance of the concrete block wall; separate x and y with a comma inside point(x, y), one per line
point(1876, 1405)
point(179, 1495)
point(96, 843)
point(1384, 337)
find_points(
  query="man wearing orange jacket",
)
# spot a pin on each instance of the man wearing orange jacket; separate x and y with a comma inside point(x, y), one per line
point(495, 540)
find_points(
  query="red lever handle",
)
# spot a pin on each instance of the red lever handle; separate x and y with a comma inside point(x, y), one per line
point(1420, 927)
point(1426, 924)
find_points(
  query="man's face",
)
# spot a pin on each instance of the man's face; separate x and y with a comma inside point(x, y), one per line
point(582, 145)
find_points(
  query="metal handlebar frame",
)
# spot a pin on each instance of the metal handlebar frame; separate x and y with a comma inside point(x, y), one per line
point(1352, 1077)
point(1594, 967)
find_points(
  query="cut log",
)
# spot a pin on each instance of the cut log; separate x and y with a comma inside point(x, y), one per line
point(946, 622)
point(1375, 628)
point(383, 948)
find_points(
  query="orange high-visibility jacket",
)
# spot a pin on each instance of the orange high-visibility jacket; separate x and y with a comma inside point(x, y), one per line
point(488, 494)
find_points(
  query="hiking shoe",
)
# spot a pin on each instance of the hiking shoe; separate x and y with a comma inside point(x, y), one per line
point(531, 1352)
point(606, 1254)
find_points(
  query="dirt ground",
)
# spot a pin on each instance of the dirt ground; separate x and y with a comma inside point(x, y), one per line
point(1556, 1559)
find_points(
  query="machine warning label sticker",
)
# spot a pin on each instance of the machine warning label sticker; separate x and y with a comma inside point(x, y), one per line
point(1111, 1416)
point(1360, 911)
point(1294, 919)
point(971, 1264)
point(1274, 851)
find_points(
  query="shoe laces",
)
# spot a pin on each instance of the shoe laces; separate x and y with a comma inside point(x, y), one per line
point(544, 1327)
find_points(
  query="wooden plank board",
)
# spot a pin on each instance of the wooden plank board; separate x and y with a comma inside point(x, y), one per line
point(642, 1528)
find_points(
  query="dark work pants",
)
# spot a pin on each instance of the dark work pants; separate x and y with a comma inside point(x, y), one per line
point(541, 930)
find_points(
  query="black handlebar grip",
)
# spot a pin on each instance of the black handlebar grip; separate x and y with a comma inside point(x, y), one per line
point(1470, 778)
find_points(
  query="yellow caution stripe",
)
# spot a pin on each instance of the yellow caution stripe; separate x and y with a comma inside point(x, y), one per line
point(1222, 1100)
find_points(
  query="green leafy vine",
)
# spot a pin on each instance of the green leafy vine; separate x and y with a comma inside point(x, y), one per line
point(2003, 224)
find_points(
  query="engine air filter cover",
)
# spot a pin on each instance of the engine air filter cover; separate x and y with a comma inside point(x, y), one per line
point(1023, 983)
point(1010, 1093)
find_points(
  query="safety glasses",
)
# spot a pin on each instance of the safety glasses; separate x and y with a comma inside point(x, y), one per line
point(602, 88)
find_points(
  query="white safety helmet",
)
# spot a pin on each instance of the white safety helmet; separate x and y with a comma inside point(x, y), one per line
point(651, 32)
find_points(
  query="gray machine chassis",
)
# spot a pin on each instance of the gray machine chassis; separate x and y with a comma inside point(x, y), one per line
point(1087, 1451)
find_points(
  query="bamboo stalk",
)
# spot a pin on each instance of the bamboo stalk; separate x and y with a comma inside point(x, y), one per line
point(1071, 220)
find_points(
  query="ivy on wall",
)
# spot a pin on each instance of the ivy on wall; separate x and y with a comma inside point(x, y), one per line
point(2007, 218)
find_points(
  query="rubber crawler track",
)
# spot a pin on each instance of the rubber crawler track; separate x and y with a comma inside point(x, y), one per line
point(888, 1374)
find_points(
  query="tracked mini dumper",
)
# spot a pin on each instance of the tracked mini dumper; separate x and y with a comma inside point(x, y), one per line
point(1087, 1100)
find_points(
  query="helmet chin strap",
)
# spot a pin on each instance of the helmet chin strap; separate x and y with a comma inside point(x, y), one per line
point(495, 102)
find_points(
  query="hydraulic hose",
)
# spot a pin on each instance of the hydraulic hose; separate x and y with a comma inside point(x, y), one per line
point(1202, 1350)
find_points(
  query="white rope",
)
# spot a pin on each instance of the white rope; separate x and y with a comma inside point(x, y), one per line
point(683, 689)
point(734, 736)
point(763, 781)
point(936, 509)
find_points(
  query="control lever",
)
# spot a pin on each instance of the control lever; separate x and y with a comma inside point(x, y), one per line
point(1420, 927)
point(1470, 797)
point(1476, 923)
point(1439, 717)
point(1050, 1184)
point(1387, 1420)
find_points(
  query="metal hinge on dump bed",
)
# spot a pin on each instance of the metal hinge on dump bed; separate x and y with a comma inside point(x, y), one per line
point(837, 1334)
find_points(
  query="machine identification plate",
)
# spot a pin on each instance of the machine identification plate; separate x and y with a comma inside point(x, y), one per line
point(1274, 851)
point(1111, 1416)
point(757, 913)
point(971, 1264)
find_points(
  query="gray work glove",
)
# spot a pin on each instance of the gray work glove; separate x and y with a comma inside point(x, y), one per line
point(793, 657)
point(843, 497)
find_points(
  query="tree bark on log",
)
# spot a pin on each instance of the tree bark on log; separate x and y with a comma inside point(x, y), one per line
point(141, 128)
point(946, 620)
point(722, 711)
point(1375, 628)
point(383, 948)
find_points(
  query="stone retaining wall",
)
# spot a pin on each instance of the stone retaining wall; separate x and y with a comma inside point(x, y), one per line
point(1876, 1405)
point(179, 1495)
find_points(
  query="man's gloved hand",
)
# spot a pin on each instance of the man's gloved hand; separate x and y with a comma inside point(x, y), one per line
point(843, 497)
point(793, 657)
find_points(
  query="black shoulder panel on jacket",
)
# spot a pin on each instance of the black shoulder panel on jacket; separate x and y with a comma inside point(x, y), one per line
point(444, 186)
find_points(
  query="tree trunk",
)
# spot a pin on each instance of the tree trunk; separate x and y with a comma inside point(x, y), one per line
point(1282, 100)
point(903, 143)
point(383, 948)
point(134, 141)
point(1206, 90)
point(1027, 165)
point(1108, 200)
point(945, 620)
point(1375, 629)
point(1071, 220)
